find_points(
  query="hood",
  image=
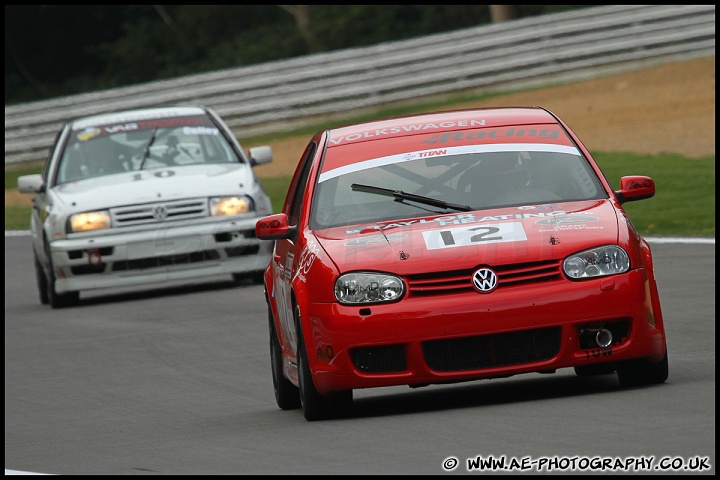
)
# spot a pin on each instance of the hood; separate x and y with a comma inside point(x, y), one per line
point(466, 240)
point(156, 185)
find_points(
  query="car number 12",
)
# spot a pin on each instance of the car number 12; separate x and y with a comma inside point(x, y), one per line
point(471, 235)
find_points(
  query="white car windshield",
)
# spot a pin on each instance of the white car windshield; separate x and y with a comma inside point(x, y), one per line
point(382, 190)
point(106, 150)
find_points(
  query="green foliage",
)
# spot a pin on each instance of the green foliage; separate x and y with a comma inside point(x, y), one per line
point(58, 50)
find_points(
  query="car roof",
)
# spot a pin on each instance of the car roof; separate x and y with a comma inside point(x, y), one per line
point(135, 115)
point(441, 121)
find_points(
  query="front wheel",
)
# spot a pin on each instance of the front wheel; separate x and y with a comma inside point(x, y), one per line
point(641, 372)
point(58, 300)
point(286, 394)
point(315, 405)
point(41, 280)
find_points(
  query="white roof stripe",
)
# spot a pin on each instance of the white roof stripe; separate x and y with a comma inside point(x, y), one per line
point(447, 151)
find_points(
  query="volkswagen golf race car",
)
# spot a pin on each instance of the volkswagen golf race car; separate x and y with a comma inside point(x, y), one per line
point(145, 197)
point(455, 246)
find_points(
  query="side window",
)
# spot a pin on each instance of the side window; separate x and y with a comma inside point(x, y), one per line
point(299, 186)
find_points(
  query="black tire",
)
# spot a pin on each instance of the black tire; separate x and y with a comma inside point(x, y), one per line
point(641, 372)
point(58, 300)
point(287, 395)
point(593, 370)
point(41, 281)
point(315, 405)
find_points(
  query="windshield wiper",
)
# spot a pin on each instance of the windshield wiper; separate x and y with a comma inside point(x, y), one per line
point(400, 196)
point(146, 152)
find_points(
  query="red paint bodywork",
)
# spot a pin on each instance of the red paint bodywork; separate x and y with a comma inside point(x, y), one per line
point(307, 263)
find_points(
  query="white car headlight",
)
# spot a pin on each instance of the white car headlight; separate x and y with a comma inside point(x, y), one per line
point(231, 205)
point(368, 287)
point(597, 262)
point(89, 221)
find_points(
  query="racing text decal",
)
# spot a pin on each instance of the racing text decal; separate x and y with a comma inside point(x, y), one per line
point(406, 128)
point(459, 219)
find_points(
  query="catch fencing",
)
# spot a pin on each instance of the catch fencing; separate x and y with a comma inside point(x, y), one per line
point(281, 95)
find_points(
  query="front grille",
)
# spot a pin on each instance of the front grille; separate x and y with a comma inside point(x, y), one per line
point(382, 359)
point(103, 252)
point(489, 351)
point(165, 261)
point(159, 212)
point(460, 281)
point(88, 269)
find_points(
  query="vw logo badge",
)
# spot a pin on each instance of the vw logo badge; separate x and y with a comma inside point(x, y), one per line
point(484, 280)
point(160, 212)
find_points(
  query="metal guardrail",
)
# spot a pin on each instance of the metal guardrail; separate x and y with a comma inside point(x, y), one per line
point(277, 96)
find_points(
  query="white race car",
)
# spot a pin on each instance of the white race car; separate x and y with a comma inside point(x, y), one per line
point(145, 196)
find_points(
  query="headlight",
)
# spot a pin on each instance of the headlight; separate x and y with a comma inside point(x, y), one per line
point(597, 262)
point(367, 287)
point(231, 205)
point(89, 221)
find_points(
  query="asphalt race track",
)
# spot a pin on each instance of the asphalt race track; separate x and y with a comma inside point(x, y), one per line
point(176, 381)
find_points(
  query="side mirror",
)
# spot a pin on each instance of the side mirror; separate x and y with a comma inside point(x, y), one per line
point(274, 227)
point(31, 183)
point(635, 188)
point(260, 155)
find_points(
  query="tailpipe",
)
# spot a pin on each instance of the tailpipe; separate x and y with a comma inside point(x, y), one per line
point(603, 337)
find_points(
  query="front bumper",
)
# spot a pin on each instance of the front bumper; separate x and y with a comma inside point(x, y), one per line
point(463, 337)
point(157, 255)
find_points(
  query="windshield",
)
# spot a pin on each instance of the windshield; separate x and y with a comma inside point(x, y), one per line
point(132, 146)
point(401, 186)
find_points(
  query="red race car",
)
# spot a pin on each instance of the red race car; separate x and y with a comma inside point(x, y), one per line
point(455, 246)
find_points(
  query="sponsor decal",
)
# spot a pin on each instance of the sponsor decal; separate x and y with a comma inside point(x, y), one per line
point(325, 352)
point(271, 224)
point(94, 257)
point(307, 257)
point(557, 220)
point(537, 207)
point(419, 127)
point(194, 126)
point(569, 227)
point(474, 234)
point(495, 133)
point(158, 123)
point(205, 131)
point(644, 183)
point(88, 133)
point(459, 219)
point(288, 265)
point(599, 352)
point(373, 239)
